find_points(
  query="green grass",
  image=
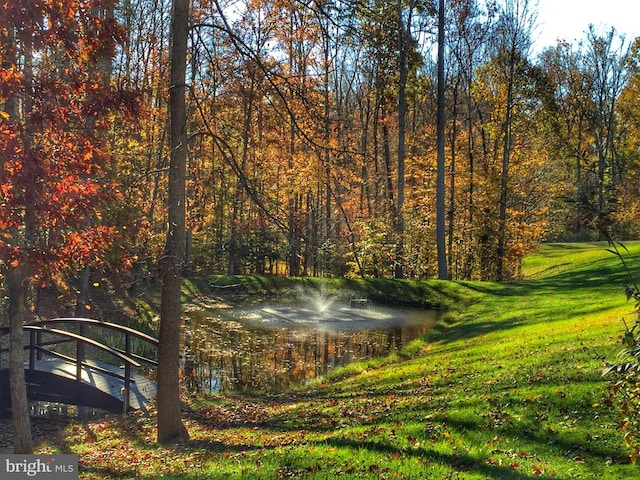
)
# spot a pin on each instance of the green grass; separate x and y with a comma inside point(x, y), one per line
point(428, 294)
point(507, 386)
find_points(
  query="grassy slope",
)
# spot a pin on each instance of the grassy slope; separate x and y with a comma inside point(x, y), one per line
point(508, 386)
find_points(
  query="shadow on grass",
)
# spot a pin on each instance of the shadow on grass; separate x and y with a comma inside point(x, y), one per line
point(451, 334)
point(106, 472)
point(598, 273)
point(457, 462)
point(314, 412)
point(545, 442)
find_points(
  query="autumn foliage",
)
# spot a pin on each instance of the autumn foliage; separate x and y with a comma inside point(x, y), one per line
point(293, 137)
point(55, 107)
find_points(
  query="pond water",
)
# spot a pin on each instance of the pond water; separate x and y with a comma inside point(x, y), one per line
point(273, 347)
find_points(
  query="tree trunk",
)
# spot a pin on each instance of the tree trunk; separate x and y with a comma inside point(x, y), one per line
point(580, 203)
point(403, 61)
point(440, 184)
point(504, 177)
point(326, 232)
point(293, 234)
point(16, 283)
point(83, 292)
point(452, 266)
point(170, 427)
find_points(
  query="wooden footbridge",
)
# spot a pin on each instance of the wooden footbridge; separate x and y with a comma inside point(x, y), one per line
point(59, 371)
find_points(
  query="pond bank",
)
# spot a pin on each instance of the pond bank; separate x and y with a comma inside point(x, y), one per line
point(247, 288)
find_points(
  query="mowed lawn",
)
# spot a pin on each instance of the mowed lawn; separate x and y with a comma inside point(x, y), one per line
point(507, 386)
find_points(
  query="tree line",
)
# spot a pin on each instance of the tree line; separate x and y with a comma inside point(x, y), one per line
point(312, 136)
point(311, 131)
point(329, 138)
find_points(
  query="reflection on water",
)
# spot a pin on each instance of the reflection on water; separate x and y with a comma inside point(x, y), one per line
point(275, 347)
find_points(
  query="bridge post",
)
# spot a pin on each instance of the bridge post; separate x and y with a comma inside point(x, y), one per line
point(127, 374)
point(79, 355)
point(83, 412)
point(32, 350)
point(39, 343)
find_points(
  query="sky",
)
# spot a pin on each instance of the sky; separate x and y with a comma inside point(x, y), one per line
point(569, 19)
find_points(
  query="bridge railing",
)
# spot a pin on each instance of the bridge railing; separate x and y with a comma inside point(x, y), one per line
point(36, 347)
point(128, 332)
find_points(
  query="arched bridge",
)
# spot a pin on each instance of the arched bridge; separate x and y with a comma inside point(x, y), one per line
point(60, 371)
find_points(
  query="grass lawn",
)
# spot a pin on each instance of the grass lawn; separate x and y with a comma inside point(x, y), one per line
point(507, 386)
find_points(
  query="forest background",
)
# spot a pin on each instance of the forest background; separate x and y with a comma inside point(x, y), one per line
point(312, 139)
point(150, 140)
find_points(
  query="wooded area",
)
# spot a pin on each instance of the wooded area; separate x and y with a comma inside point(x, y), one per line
point(359, 138)
point(311, 133)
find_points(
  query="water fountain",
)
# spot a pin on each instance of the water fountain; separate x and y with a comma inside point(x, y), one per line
point(282, 344)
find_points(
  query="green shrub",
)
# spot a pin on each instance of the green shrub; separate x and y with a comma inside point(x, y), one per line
point(625, 373)
point(625, 388)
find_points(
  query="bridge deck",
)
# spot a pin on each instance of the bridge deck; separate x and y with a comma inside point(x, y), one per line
point(55, 381)
point(142, 389)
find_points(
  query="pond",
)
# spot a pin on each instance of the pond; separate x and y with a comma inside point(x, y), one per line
point(273, 347)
